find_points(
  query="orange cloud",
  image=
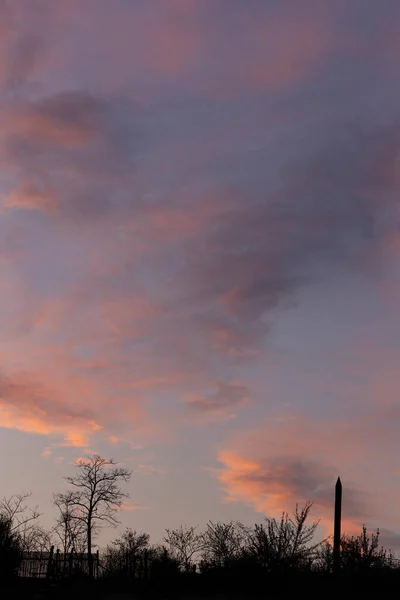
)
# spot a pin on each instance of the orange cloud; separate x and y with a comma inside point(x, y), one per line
point(30, 197)
point(129, 507)
point(30, 407)
point(277, 485)
point(293, 461)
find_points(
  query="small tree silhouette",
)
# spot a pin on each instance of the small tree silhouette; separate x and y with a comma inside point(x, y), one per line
point(10, 549)
point(184, 544)
point(223, 544)
point(69, 530)
point(358, 554)
point(17, 512)
point(363, 553)
point(285, 544)
point(125, 554)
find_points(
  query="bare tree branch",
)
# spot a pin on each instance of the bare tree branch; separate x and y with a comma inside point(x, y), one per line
point(184, 544)
point(20, 516)
point(95, 499)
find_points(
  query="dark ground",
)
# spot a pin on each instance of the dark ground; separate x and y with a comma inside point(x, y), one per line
point(361, 588)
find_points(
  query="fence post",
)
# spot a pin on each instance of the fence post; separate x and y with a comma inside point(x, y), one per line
point(50, 563)
point(337, 526)
point(70, 567)
point(58, 563)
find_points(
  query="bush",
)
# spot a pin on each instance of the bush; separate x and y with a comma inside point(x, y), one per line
point(10, 550)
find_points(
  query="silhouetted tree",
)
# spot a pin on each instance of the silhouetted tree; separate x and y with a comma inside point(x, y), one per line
point(184, 543)
point(161, 564)
point(23, 523)
point(285, 544)
point(126, 554)
point(69, 530)
point(323, 560)
point(21, 518)
point(362, 552)
point(96, 496)
point(358, 554)
point(10, 549)
point(36, 539)
point(223, 544)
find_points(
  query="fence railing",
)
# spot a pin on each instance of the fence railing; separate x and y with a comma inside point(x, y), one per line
point(57, 565)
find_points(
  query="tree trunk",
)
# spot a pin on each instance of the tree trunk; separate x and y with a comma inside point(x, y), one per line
point(89, 549)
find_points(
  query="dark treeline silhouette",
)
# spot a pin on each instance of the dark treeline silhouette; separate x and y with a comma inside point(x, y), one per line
point(276, 557)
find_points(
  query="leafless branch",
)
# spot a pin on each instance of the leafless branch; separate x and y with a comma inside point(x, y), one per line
point(94, 499)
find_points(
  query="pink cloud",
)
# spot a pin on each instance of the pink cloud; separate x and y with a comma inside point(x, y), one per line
point(129, 507)
point(66, 120)
point(47, 452)
point(222, 402)
point(185, 44)
point(31, 197)
point(29, 406)
point(295, 460)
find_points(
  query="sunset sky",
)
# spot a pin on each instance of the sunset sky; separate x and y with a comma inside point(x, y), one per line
point(199, 255)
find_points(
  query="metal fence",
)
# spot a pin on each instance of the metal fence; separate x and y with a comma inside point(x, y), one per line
point(57, 565)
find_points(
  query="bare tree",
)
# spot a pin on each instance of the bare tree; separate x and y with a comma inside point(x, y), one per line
point(23, 523)
point(70, 530)
point(16, 511)
point(359, 553)
point(127, 554)
point(184, 544)
point(132, 541)
point(285, 543)
point(96, 496)
point(36, 539)
point(323, 561)
point(223, 543)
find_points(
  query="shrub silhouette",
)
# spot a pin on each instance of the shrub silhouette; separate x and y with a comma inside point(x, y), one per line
point(279, 546)
point(10, 549)
point(127, 555)
point(358, 554)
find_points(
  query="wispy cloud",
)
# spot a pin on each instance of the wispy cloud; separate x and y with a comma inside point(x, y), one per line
point(222, 401)
point(129, 507)
point(28, 406)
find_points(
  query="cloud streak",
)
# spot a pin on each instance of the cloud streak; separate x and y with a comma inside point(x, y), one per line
point(71, 153)
point(225, 398)
point(26, 405)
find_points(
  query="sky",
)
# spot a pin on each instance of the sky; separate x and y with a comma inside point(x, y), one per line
point(199, 255)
